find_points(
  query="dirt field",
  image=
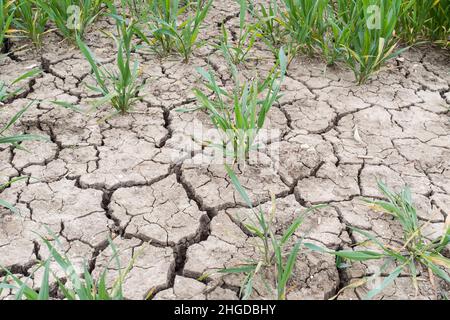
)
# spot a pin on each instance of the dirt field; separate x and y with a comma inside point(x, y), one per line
point(128, 177)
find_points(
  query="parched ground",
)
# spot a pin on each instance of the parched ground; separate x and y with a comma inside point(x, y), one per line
point(131, 177)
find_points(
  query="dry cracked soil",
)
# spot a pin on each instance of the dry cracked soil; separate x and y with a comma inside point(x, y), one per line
point(130, 176)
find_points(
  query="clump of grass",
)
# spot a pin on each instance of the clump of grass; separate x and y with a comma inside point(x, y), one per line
point(118, 87)
point(370, 47)
point(240, 49)
point(273, 252)
point(73, 17)
point(362, 33)
point(415, 251)
point(337, 30)
point(6, 19)
point(75, 286)
point(425, 20)
point(162, 14)
point(268, 24)
point(170, 32)
point(138, 9)
point(239, 115)
point(298, 25)
point(304, 21)
point(30, 21)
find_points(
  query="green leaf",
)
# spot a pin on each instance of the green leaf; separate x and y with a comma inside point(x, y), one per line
point(317, 248)
point(15, 118)
point(248, 287)
point(288, 269)
point(66, 105)
point(27, 75)
point(21, 138)
point(359, 255)
point(7, 205)
point(243, 269)
point(386, 282)
point(238, 186)
point(44, 290)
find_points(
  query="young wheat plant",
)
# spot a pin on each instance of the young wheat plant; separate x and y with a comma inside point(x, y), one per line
point(240, 49)
point(30, 21)
point(169, 32)
point(268, 24)
point(73, 17)
point(239, 115)
point(118, 87)
point(372, 45)
point(76, 287)
point(273, 252)
point(6, 19)
point(415, 251)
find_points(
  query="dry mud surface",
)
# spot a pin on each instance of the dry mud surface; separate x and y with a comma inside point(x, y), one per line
point(181, 214)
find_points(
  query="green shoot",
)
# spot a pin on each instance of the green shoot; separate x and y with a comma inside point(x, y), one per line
point(72, 17)
point(273, 251)
point(239, 115)
point(371, 46)
point(76, 287)
point(30, 21)
point(118, 87)
point(416, 250)
point(168, 33)
point(246, 38)
point(268, 24)
point(6, 19)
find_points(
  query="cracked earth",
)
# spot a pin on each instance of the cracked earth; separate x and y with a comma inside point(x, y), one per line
point(180, 215)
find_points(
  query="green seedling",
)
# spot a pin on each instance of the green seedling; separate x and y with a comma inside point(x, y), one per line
point(239, 115)
point(239, 50)
point(118, 87)
point(273, 252)
point(30, 21)
point(72, 17)
point(416, 250)
point(372, 42)
point(6, 19)
point(169, 32)
point(76, 286)
point(268, 24)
